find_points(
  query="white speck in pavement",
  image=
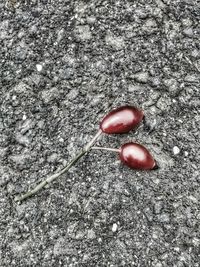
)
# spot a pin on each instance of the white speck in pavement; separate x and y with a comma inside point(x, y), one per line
point(39, 67)
point(176, 150)
point(114, 227)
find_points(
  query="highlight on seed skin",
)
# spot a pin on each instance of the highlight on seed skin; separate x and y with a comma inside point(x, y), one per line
point(121, 120)
point(137, 157)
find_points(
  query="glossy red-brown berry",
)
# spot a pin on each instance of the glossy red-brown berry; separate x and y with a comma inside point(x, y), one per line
point(121, 120)
point(137, 156)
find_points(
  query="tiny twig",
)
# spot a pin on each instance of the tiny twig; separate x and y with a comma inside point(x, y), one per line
point(56, 175)
point(106, 148)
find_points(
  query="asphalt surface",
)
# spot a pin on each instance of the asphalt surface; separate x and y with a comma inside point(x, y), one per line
point(63, 65)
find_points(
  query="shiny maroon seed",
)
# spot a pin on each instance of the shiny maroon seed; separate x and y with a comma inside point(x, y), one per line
point(137, 156)
point(121, 120)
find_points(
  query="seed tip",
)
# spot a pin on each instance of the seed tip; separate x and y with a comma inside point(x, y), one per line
point(156, 166)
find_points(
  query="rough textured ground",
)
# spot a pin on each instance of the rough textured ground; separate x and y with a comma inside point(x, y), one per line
point(63, 64)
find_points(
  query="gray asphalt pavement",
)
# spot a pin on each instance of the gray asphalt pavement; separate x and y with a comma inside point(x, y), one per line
point(63, 65)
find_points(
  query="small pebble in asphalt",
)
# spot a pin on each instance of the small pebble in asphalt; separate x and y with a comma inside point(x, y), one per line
point(39, 67)
point(114, 227)
point(176, 150)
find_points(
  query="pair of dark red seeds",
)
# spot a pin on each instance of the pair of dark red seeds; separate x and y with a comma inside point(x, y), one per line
point(123, 120)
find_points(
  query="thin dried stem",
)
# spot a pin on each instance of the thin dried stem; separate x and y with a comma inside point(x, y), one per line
point(56, 175)
point(105, 148)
